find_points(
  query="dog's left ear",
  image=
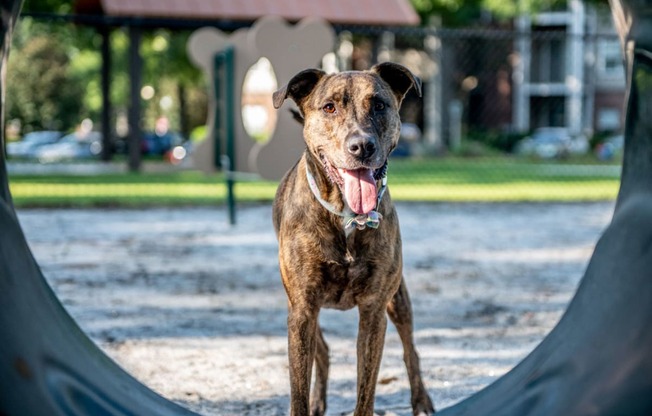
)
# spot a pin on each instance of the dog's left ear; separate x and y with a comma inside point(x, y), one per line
point(399, 78)
point(299, 87)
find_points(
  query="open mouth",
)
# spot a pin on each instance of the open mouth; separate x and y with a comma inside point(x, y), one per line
point(357, 185)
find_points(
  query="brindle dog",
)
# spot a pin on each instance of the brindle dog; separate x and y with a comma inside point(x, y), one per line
point(339, 239)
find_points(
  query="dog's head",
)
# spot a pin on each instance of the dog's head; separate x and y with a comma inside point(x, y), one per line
point(351, 122)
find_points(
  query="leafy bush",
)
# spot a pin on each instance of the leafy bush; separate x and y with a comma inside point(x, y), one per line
point(497, 140)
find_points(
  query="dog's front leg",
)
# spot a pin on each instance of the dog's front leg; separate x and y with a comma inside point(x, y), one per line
point(302, 326)
point(371, 339)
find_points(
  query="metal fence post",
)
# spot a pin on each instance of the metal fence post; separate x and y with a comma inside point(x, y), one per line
point(224, 130)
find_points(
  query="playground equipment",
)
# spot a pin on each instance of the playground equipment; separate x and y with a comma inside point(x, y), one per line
point(289, 49)
point(596, 361)
point(225, 60)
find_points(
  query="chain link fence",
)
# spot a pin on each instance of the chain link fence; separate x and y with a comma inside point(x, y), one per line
point(497, 86)
point(529, 113)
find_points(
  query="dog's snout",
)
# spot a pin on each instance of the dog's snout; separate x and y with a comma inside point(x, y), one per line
point(361, 146)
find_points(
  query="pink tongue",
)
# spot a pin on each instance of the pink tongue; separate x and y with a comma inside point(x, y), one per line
point(359, 189)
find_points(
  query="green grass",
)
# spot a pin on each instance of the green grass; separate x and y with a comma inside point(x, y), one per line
point(502, 179)
point(440, 179)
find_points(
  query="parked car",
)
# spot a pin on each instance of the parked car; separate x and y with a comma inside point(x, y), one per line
point(31, 142)
point(151, 143)
point(552, 142)
point(179, 153)
point(610, 148)
point(70, 147)
point(410, 136)
point(154, 143)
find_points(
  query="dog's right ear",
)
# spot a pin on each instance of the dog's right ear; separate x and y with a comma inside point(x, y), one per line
point(299, 87)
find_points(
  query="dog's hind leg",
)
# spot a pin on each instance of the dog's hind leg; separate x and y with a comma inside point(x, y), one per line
point(318, 396)
point(400, 313)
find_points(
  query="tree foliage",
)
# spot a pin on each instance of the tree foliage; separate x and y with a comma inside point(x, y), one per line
point(54, 73)
point(465, 12)
point(41, 90)
point(47, 6)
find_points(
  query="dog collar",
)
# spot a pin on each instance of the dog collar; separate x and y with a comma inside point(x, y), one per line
point(351, 220)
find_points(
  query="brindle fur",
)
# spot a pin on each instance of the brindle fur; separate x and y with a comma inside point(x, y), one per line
point(321, 264)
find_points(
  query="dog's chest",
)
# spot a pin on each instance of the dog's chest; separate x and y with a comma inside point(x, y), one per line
point(348, 279)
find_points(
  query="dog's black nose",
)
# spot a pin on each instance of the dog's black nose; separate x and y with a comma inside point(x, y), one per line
point(362, 147)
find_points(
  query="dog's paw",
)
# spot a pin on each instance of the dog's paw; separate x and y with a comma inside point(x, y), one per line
point(429, 412)
point(317, 409)
point(424, 407)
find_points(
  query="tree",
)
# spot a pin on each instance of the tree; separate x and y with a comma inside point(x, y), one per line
point(77, 65)
point(465, 12)
point(47, 6)
point(168, 69)
point(40, 91)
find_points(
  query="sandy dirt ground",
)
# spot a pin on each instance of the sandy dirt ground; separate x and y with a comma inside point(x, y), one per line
point(195, 309)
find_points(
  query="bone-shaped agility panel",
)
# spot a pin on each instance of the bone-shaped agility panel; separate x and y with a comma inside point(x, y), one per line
point(289, 49)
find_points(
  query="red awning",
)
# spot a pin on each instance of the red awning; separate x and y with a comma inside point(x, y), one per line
point(363, 12)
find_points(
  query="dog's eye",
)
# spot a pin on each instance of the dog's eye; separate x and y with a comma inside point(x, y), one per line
point(379, 106)
point(329, 108)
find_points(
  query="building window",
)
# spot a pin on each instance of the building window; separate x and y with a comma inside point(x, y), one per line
point(610, 58)
point(548, 55)
point(547, 112)
point(608, 119)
